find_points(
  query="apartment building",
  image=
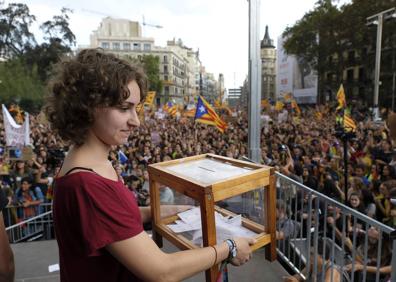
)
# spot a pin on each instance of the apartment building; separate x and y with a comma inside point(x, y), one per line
point(179, 65)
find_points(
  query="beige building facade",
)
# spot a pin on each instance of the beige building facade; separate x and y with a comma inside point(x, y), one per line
point(179, 65)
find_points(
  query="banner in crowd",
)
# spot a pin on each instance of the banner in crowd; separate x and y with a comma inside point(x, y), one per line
point(295, 76)
point(16, 134)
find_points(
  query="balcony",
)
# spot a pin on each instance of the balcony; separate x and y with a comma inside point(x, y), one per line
point(168, 82)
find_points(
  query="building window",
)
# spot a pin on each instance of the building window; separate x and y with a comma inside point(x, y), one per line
point(350, 75)
point(351, 57)
point(146, 47)
point(165, 59)
point(166, 89)
point(116, 45)
point(126, 46)
point(165, 69)
point(136, 46)
point(105, 45)
point(165, 77)
point(362, 74)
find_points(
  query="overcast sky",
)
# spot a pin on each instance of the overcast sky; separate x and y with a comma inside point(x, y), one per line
point(219, 28)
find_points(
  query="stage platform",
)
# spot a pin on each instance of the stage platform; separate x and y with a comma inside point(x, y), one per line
point(32, 261)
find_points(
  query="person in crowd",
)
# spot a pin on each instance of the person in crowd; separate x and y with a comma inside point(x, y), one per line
point(20, 171)
point(29, 198)
point(372, 253)
point(355, 202)
point(98, 224)
point(382, 201)
point(7, 267)
point(326, 270)
point(285, 227)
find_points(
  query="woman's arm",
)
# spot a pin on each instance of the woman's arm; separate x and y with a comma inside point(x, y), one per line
point(380, 206)
point(334, 273)
point(371, 269)
point(141, 256)
point(166, 210)
point(7, 268)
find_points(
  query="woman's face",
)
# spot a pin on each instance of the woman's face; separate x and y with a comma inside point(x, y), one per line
point(114, 125)
point(385, 170)
point(354, 201)
point(383, 190)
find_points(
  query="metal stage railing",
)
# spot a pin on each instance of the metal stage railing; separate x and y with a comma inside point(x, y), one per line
point(331, 237)
point(311, 228)
point(22, 226)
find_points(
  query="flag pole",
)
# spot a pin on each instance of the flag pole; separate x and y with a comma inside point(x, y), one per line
point(345, 141)
point(345, 136)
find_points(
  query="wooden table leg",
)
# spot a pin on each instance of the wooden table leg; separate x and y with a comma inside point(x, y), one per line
point(155, 211)
point(209, 231)
point(270, 251)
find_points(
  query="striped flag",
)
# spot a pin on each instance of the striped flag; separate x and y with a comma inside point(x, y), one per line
point(341, 98)
point(189, 113)
point(349, 123)
point(279, 106)
point(170, 108)
point(295, 106)
point(149, 98)
point(206, 114)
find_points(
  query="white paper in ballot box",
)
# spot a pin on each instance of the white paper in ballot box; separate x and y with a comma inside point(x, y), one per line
point(226, 227)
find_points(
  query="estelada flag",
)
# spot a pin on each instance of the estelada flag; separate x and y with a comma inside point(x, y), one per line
point(206, 114)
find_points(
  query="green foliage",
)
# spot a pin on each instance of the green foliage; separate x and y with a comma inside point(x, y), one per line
point(21, 85)
point(29, 62)
point(151, 67)
point(15, 35)
point(330, 32)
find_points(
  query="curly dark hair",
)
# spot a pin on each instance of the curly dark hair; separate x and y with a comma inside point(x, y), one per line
point(87, 81)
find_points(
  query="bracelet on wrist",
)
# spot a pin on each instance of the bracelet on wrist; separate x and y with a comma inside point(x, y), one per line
point(232, 249)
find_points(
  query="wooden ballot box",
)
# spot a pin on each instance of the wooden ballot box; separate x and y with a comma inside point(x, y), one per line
point(210, 181)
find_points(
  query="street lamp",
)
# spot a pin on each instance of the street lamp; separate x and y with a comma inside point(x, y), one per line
point(254, 81)
point(378, 20)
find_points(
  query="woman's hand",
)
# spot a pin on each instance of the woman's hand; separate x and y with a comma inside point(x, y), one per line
point(358, 267)
point(244, 252)
point(169, 210)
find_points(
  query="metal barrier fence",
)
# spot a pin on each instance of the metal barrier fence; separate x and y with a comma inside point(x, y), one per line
point(320, 238)
point(23, 224)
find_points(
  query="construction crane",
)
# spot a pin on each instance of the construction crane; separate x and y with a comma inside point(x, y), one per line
point(97, 13)
point(150, 25)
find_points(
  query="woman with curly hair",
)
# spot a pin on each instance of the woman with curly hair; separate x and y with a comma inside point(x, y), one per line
point(98, 224)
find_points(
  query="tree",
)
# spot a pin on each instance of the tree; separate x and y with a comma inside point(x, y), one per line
point(60, 40)
point(20, 85)
point(30, 63)
point(151, 66)
point(15, 35)
point(340, 30)
point(315, 37)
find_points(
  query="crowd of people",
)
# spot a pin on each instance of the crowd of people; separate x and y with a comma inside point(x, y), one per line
point(304, 147)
